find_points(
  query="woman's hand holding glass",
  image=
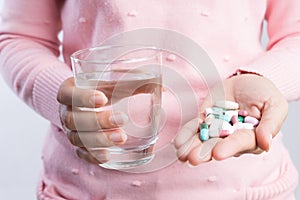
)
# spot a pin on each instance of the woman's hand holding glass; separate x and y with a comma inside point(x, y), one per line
point(75, 120)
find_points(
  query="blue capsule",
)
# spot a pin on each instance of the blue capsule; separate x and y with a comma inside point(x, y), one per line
point(204, 135)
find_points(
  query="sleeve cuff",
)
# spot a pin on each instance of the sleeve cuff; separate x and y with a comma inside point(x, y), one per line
point(45, 90)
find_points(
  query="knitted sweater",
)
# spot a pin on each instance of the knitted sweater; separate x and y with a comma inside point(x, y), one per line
point(229, 31)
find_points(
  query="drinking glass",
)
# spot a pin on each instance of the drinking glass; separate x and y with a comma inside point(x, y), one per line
point(130, 77)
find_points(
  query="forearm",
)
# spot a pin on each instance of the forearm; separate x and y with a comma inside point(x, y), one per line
point(281, 62)
point(29, 50)
point(34, 72)
point(282, 66)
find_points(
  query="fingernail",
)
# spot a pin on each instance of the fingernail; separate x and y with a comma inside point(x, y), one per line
point(118, 118)
point(191, 166)
point(98, 99)
point(270, 141)
point(117, 137)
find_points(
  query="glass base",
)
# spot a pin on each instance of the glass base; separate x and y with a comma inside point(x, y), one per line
point(128, 158)
point(126, 165)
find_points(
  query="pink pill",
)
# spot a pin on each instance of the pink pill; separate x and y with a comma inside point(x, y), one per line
point(234, 119)
point(224, 133)
point(243, 113)
point(251, 120)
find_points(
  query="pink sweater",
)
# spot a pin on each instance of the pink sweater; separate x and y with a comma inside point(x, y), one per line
point(230, 33)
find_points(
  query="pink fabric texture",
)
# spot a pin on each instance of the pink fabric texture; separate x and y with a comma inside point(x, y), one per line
point(229, 31)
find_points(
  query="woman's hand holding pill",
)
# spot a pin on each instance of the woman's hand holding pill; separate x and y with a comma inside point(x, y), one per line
point(256, 97)
point(84, 127)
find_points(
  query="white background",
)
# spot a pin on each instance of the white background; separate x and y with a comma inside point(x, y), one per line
point(22, 132)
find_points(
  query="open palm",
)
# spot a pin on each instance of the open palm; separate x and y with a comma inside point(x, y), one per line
point(256, 94)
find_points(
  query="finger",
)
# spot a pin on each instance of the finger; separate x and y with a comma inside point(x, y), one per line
point(255, 151)
point(92, 121)
point(236, 143)
point(97, 139)
point(186, 132)
point(93, 156)
point(70, 95)
point(203, 152)
point(184, 150)
point(273, 116)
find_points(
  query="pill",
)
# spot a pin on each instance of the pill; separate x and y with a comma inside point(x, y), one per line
point(224, 133)
point(251, 120)
point(214, 133)
point(204, 136)
point(234, 119)
point(230, 105)
point(220, 124)
point(243, 113)
point(227, 126)
point(223, 117)
point(208, 111)
point(230, 113)
point(241, 118)
point(204, 126)
point(209, 119)
point(226, 118)
point(217, 110)
point(216, 124)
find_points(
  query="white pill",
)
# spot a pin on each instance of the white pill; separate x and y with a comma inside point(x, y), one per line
point(216, 124)
point(231, 113)
point(230, 105)
point(209, 119)
point(208, 111)
point(214, 132)
point(228, 127)
point(251, 120)
point(219, 124)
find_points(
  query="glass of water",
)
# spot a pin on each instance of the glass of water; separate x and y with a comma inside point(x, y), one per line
point(130, 77)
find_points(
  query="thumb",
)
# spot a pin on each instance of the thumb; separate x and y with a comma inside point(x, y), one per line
point(273, 116)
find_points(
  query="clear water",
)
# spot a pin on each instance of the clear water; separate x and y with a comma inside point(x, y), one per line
point(138, 94)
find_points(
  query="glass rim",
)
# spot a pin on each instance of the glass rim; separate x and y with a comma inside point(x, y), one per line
point(126, 60)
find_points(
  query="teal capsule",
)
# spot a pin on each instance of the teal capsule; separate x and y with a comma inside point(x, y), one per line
point(241, 119)
point(217, 110)
point(204, 135)
point(226, 118)
point(204, 126)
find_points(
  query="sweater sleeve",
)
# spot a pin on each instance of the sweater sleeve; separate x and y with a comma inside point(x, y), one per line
point(281, 62)
point(29, 50)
